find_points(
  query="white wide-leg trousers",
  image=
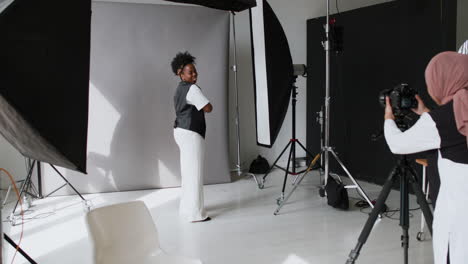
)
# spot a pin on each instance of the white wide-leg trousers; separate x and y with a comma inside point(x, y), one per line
point(192, 152)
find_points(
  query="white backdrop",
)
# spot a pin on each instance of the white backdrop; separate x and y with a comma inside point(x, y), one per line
point(130, 136)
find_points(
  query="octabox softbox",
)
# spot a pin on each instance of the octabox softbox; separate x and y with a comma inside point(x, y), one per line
point(273, 72)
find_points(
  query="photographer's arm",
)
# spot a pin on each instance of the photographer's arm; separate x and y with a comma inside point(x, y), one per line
point(422, 136)
point(421, 106)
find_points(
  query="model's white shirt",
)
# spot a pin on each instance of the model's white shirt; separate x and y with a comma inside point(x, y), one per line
point(196, 97)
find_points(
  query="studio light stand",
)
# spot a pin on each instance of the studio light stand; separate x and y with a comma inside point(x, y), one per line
point(290, 170)
point(327, 149)
point(238, 168)
point(407, 176)
point(28, 186)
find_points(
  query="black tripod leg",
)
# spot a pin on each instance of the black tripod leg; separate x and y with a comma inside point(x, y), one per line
point(39, 180)
point(287, 172)
point(274, 163)
point(421, 200)
point(24, 254)
point(69, 184)
point(23, 188)
point(354, 254)
point(404, 213)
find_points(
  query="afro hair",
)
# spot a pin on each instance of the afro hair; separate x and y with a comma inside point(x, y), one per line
point(181, 60)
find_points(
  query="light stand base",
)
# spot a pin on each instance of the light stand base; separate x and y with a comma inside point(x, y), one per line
point(284, 200)
point(13, 218)
point(242, 174)
point(355, 185)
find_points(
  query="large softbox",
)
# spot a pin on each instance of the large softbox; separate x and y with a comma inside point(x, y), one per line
point(273, 72)
point(44, 66)
point(229, 5)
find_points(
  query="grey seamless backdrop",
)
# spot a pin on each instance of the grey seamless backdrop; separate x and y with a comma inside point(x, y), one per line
point(130, 136)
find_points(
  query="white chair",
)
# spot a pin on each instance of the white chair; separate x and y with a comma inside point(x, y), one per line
point(125, 233)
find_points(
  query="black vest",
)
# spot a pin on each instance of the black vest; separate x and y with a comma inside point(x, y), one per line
point(188, 117)
point(452, 146)
point(452, 142)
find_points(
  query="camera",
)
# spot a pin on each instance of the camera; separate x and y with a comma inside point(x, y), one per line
point(402, 98)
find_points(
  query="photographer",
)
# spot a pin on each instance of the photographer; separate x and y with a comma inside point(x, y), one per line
point(444, 129)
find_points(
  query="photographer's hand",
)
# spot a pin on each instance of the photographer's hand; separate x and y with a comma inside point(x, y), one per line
point(421, 106)
point(388, 109)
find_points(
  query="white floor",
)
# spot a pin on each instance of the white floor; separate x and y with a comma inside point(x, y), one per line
point(243, 230)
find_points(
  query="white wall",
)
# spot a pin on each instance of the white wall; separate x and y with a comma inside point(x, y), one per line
point(293, 15)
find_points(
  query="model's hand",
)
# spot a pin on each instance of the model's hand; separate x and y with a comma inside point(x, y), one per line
point(388, 109)
point(208, 108)
point(421, 107)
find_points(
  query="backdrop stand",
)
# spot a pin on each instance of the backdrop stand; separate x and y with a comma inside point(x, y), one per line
point(238, 168)
point(232, 6)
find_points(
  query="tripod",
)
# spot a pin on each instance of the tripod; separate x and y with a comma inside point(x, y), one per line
point(292, 149)
point(407, 176)
point(27, 185)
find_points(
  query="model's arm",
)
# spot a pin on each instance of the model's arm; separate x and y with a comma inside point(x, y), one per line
point(208, 108)
point(198, 99)
point(422, 136)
